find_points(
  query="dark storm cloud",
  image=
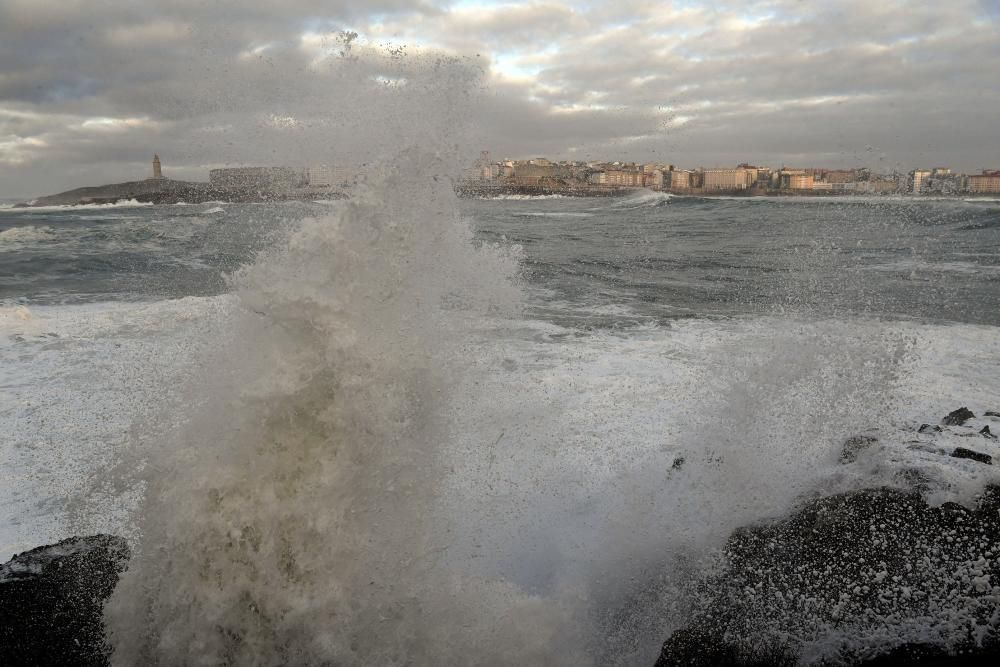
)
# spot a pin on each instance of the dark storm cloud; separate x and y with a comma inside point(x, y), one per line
point(88, 90)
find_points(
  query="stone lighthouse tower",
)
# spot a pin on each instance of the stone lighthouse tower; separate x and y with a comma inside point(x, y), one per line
point(156, 167)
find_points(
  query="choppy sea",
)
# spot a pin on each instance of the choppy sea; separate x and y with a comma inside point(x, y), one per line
point(748, 335)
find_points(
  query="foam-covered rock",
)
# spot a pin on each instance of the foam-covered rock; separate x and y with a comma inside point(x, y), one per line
point(52, 599)
point(869, 577)
point(854, 445)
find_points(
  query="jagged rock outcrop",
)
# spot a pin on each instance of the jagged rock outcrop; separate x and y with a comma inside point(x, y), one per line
point(52, 599)
point(958, 417)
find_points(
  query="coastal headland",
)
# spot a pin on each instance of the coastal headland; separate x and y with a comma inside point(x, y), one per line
point(169, 191)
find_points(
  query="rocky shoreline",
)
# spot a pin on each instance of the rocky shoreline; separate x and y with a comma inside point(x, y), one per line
point(52, 600)
point(872, 577)
point(877, 577)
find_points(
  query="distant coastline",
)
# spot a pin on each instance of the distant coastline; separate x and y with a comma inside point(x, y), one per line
point(537, 177)
point(486, 190)
point(169, 191)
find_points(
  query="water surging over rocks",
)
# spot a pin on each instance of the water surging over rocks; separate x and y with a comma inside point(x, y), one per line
point(875, 576)
point(290, 521)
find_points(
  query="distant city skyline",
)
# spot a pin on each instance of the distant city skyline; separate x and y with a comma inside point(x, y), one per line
point(89, 92)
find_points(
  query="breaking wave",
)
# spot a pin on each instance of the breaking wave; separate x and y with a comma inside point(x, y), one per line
point(523, 197)
point(291, 520)
point(125, 203)
point(25, 235)
point(643, 199)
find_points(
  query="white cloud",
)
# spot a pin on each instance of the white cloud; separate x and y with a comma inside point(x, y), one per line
point(144, 34)
point(704, 81)
point(105, 124)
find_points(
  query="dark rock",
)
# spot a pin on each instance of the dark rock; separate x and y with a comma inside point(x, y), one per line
point(986, 432)
point(924, 428)
point(916, 479)
point(868, 575)
point(991, 413)
point(678, 463)
point(989, 501)
point(854, 446)
point(963, 453)
point(52, 600)
point(930, 655)
point(958, 417)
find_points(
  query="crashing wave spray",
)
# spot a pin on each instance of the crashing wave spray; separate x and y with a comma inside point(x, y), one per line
point(290, 523)
point(295, 518)
point(290, 519)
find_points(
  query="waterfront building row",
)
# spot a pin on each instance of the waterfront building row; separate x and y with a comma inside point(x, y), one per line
point(742, 178)
point(544, 173)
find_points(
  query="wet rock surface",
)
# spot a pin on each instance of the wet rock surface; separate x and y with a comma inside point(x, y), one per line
point(963, 453)
point(52, 598)
point(958, 417)
point(873, 577)
point(854, 446)
point(884, 575)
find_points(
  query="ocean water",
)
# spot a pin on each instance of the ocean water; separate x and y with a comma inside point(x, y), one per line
point(410, 427)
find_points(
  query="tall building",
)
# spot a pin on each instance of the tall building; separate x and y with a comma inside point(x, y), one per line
point(918, 180)
point(795, 179)
point(741, 178)
point(534, 171)
point(157, 172)
point(484, 169)
point(624, 178)
point(680, 179)
point(988, 181)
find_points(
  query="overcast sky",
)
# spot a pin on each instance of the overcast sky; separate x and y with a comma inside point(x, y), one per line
point(90, 89)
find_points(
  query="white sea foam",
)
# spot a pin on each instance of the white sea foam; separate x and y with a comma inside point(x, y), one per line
point(927, 266)
point(554, 214)
point(74, 378)
point(125, 203)
point(522, 197)
point(550, 454)
point(642, 199)
point(19, 236)
point(214, 209)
